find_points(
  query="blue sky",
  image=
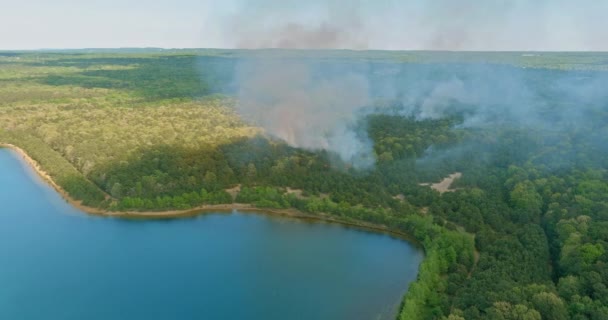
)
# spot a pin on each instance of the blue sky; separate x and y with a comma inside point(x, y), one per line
point(353, 24)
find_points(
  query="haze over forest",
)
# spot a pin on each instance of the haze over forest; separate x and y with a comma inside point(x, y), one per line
point(494, 162)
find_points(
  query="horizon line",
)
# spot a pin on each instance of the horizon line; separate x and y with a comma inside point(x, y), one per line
point(298, 49)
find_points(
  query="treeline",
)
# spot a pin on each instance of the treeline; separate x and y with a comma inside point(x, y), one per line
point(180, 202)
point(62, 172)
point(150, 77)
point(449, 260)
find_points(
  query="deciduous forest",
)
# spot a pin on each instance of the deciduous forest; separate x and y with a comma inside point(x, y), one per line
point(522, 234)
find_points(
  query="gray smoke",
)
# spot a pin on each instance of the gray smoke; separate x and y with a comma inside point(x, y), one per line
point(287, 97)
point(290, 24)
point(293, 101)
point(490, 95)
point(304, 109)
point(474, 25)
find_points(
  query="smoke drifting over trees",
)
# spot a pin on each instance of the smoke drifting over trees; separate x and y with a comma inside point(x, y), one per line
point(317, 104)
point(305, 109)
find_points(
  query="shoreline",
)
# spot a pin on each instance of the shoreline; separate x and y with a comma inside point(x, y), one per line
point(204, 209)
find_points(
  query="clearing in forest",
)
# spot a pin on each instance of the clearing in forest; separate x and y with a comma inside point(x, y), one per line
point(445, 184)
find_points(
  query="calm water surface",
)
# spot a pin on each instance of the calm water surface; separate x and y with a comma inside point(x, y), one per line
point(59, 263)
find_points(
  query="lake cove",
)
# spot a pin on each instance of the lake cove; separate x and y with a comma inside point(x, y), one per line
point(60, 263)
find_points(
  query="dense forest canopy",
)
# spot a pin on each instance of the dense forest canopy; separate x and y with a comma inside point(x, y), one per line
point(522, 235)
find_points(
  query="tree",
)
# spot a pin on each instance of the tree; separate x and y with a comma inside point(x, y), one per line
point(252, 171)
point(116, 190)
point(525, 198)
point(591, 252)
point(569, 286)
point(550, 306)
point(210, 179)
point(505, 311)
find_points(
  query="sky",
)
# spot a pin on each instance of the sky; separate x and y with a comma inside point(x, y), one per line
point(495, 25)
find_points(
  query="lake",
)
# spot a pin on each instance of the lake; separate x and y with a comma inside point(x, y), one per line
point(57, 262)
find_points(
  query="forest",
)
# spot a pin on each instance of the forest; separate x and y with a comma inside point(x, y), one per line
point(522, 235)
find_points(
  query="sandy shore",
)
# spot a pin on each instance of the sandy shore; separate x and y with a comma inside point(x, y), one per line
point(220, 208)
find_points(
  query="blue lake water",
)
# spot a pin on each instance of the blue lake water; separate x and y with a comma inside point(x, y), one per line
point(59, 263)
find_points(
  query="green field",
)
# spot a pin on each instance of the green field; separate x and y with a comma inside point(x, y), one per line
point(524, 235)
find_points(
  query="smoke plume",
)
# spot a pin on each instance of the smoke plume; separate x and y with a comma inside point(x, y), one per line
point(473, 25)
point(291, 98)
point(293, 24)
point(304, 108)
point(316, 103)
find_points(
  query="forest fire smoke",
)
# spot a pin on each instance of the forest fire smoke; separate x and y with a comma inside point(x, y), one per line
point(305, 109)
point(296, 99)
